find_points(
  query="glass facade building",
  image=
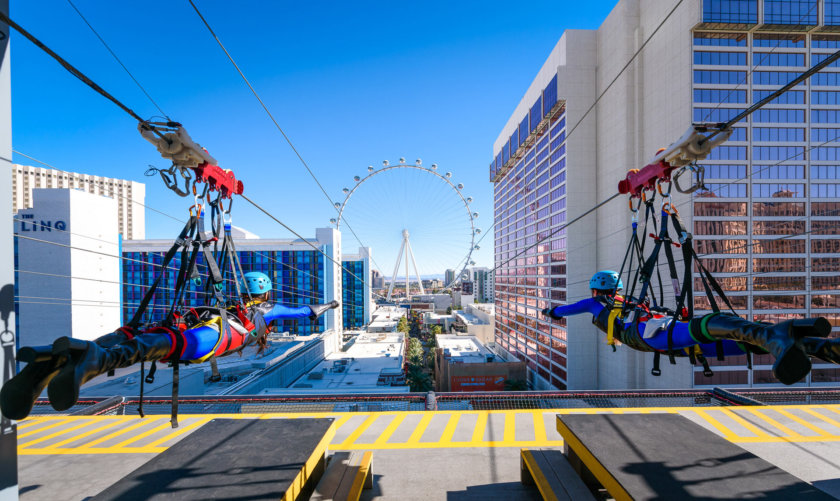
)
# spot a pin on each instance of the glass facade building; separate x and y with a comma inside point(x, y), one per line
point(300, 276)
point(766, 224)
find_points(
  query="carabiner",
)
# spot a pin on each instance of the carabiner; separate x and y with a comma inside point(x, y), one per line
point(199, 209)
point(659, 188)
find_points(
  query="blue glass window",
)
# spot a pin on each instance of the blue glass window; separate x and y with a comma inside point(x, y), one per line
point(825, 171)
point(825, 79)
point(523, 130)
point(719, 77)
point(827, 190)
point(825, 153)
point(720, 96)
point(728, 153)
point(780, 134)
point(722, 171)
point(789, 97)
point(738, 134)
point(818, 58)
point(774, 77)
point(513, 143)
point(737, 190)
point(536, 114)
point(779, 116)
point(825, 116)
point(720, 58)
point(778, 59)
point(779, 153)
point(797, 41)
point(823, 135)
point(778, 190)
point(550, 96)
point(797, 12)
point(715, 114)
point(730, 11)
point(778, 171)
point(825, 97)
point(828, 41)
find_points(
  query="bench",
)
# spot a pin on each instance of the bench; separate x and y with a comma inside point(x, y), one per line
point(346, 475)
point(553, 475)
point(666, 456)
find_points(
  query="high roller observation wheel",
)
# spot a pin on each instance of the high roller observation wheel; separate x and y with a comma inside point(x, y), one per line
point(446, 178)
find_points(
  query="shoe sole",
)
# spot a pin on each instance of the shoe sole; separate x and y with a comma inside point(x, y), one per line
point(18, 395)
point(792, 366)
point(62, 390)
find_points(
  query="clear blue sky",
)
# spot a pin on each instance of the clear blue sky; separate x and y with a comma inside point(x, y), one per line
point(351, 84)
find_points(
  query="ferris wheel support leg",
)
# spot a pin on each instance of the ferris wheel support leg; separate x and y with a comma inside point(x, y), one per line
point(411, 253)
point(396, 268)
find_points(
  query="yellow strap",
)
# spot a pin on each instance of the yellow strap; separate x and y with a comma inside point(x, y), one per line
point(611, 325)
point(212, 321)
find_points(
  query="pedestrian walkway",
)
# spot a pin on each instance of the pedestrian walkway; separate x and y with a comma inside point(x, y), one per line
point(53, 435)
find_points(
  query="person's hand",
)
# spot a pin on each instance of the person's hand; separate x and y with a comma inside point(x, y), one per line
point(547, 312)
point(334, 304)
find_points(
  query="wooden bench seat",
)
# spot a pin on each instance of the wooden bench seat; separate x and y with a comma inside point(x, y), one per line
point(346, 475)
point(553, 475)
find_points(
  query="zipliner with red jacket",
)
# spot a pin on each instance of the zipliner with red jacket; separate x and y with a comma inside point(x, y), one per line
point(790, 342)
point(68, 363)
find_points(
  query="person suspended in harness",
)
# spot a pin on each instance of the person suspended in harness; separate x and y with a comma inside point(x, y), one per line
point(790, 342)
point(199, 335)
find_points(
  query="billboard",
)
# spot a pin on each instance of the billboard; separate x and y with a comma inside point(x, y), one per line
point(478, 383)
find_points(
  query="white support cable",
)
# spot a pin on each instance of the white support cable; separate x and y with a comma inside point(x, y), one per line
point(411, 255)
point(396, 269)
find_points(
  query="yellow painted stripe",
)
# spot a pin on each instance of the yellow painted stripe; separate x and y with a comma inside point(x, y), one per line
point(452, 445)
point(510, 427)
point(140, 422)
point(746, 424)
point(343, 419)
point(390, 429)
point(46, 451)
point(56, 434)
point(145, 434)
point(607, 480)
point(105, 426)
point(772, 422)
point(729, 434)
point(181, 430)
point(822, 417)
point(361, 474)
point(806, 424)
point(539, 477)
point(420, 429)
point(539, 426)
point(480, 428)
point(449, 431)
point(351, 439)
point(57, 422)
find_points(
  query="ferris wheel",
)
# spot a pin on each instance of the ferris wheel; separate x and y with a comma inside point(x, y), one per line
point(409, 215)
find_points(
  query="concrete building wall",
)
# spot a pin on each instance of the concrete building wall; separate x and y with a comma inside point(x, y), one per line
point(129, 195)
point(68, 266)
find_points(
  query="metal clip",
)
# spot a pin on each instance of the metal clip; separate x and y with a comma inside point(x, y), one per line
point(699, 177)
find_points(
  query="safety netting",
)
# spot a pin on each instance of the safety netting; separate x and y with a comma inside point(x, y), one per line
point(793, 396)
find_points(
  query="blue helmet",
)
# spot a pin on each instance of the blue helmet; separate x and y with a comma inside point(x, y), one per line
point(256, 282)
point(606, 280)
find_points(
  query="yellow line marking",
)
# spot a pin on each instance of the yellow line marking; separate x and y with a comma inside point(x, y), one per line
point(390, 429)
point(351, 439)
point(53, 435)
point(178, 432)
point(806, 424)
point(784, 429)
point(102, 450)
point(480, 428)
point(510, 427)
point(141, 422)
point(793, 440)
point(539, 426)
point(420, 429)
point(729, 434)
point(537, 475)
point(451, 445)
point(58, 422)
point(746, 424)
point(145, 434)
point(449, 431)
point(107, 425)
point(29, 422)
point(822, 417)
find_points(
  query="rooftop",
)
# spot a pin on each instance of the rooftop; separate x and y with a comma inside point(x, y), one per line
point(368, 366)
point(466, 349)
point(468, 448)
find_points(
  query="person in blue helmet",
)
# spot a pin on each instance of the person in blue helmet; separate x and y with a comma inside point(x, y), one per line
point(201, 334)
point(790, 342)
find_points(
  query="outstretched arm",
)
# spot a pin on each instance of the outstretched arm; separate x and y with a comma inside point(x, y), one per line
point(588, 305)
point(287, 312)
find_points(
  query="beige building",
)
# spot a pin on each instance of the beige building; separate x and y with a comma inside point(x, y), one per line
point(129, 195)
